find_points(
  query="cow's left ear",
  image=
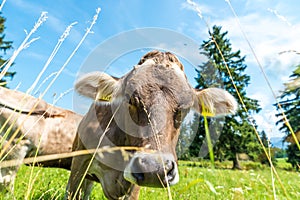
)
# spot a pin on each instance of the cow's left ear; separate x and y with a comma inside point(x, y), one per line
point(215, 102)
point(97, 85)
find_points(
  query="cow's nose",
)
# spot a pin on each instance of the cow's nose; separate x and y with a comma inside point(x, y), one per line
point(155, 171)
point(169, 170)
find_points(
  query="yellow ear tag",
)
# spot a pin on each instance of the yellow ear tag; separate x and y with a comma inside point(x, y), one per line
point(102, 98)
point(206, 112)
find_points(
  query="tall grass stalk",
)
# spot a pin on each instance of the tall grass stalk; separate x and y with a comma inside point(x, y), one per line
point(159, 150)
point(23, 46)
point(54, 52)
point(286, 121)
point(48, 192)
point(43, 82)
point(100, 151)
point(97, 148)
point(88, 31)
point(56, 99)
point(2, 4)
point(25, 43)
point(30, 185)
point(209, 144)
point(205, 113)
point(198, 10)
point(18, 86)
point(62, 38)
point(272, 174)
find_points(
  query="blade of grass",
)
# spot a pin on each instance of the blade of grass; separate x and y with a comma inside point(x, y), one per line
point(24, 44)
point(209, 144)
point(38, 159)
point(2, 4)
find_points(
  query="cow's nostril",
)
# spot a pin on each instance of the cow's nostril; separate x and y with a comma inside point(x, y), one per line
point(139, 177)
point(171, 172)
point(169, 165)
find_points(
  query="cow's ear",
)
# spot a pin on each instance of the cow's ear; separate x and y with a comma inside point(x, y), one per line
point(215, 102)
point(97, 86)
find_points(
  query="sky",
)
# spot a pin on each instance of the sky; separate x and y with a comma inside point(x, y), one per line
point(125, 30)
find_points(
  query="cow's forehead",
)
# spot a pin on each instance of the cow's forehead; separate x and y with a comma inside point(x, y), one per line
point(151, 76)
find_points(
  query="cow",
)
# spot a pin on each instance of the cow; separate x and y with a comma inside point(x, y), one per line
point(29, 124)
point(142, 110)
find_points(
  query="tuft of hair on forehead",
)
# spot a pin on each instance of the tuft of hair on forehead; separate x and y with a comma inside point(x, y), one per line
point(161, 58)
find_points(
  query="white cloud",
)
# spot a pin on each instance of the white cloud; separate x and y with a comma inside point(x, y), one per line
point(263, 97)
point(269, 37)
point(267, 121)
point(26, 6)
point(270, 33)
point(201, 8)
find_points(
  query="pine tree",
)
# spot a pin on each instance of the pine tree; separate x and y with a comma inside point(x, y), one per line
point(237, 134)
point(290, 103)
point(4, 46)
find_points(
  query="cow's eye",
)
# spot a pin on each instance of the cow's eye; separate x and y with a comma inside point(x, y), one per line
point(179, 115)
point(133, 100)
point(177, 118)
point(137, 111)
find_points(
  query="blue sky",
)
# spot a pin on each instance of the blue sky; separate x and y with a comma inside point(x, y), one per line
point(271, 27)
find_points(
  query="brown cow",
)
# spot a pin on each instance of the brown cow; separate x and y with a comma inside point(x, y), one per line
point(142, 109)
point(48, 128)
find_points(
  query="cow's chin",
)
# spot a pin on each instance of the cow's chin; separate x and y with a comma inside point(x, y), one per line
point(147, 170)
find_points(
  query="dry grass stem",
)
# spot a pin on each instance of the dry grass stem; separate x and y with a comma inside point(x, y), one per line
point(39, 159)
point(54, 52)
point(24, 44)
point(238, 93)
point(2, 4)
point(74, 51)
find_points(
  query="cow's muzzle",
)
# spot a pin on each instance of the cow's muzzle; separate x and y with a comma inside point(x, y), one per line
point(152, 170)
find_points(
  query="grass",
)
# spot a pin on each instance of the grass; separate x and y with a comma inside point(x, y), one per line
point(196, 183)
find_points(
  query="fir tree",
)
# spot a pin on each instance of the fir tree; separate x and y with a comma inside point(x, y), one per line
point(4, 46)
point(237, 134)
point(290, 104)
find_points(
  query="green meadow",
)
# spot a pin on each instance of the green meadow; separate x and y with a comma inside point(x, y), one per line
point(196, 182)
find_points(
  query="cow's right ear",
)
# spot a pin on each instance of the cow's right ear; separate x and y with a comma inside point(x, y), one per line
point(97, 85)
point(215, 102)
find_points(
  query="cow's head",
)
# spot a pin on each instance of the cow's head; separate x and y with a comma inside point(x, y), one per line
point(149, 104)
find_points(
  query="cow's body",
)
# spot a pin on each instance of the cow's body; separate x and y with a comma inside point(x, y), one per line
point(142, 109)
point(47, 128)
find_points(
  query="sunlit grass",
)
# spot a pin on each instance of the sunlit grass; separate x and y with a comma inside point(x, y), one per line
point(195, 183)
